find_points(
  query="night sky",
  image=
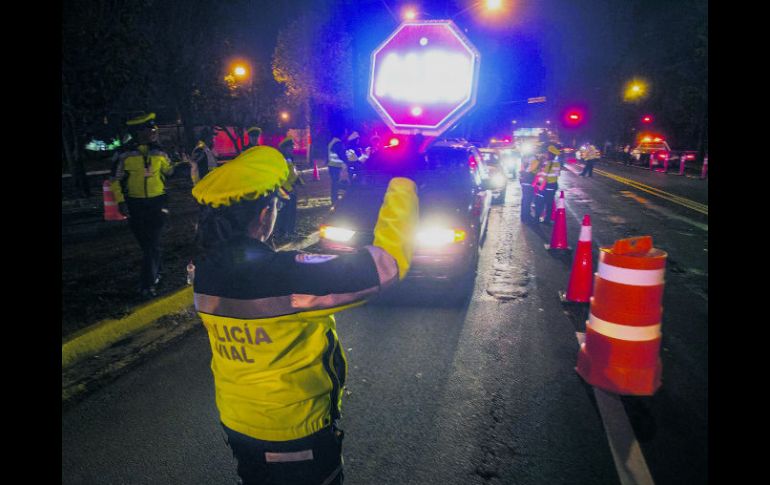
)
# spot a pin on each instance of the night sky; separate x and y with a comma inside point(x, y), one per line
point(576, 53)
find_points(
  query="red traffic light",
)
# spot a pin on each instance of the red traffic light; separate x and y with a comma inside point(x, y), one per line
point(574, 117)
point(647, 119)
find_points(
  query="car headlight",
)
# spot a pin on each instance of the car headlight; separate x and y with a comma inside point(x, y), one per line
point(439, 236)
point(527, 148)
point(498, 180)
point(336, 233)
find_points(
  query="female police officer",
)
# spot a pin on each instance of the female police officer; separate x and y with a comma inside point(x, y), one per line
point(279, 368)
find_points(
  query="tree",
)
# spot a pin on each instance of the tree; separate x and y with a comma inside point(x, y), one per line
point(102, 44)
point(313, 61)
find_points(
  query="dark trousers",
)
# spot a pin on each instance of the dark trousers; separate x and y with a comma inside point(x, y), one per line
point(287, 216)
point(313, 460)
point(527, 196)
point(589, 168)
point(147, 217)
point(334, 175)
point(544, 200)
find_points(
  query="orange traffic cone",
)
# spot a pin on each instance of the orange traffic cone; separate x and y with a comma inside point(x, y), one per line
point(581, 277)
point(111, 212)
point(316, 176)
point(622, 342)
point(559, 234)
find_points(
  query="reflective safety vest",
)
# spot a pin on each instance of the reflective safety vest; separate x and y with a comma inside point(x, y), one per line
point(333, 159)
point(590, 153)
point(200, 153)
point(279, 368)
point(143, 172)
point(551, 171)
point(529, 170)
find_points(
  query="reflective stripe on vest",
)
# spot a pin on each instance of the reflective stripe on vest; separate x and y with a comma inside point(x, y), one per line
point(333, 158)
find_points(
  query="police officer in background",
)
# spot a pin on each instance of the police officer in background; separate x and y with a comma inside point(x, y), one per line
point(203, 158)
point(355, 156)
point(139, 184)
point(253, 134)
point(279, 368)
point(287, 216)
point(550, 169)
point(335, 161)
point(530, 167)
point(590, 155)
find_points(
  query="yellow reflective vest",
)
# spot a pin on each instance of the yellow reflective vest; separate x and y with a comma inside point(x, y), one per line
point(279, 368)
point(294, 177)
point(143, 172)
point(551, 171)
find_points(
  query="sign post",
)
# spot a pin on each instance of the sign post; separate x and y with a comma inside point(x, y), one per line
point(424, 77)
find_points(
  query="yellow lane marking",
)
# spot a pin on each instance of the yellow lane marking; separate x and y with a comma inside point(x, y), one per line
point(677, 199)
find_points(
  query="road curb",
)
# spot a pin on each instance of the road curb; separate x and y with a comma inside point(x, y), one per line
point(105, 333)
point(97, 337)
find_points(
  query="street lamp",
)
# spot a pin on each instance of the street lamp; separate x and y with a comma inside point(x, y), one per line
point(487, 7)
point(284, 116)
point(239, 71)
point(635, 90)
point(410, 13)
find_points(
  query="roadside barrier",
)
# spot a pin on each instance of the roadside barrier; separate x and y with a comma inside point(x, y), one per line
point(559, 233)
point(621, 352)
point(580, 283)
point(111, 212)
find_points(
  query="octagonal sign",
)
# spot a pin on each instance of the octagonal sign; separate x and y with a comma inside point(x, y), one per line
point(424, 77)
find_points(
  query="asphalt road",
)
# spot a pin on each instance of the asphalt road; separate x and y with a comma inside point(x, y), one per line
point(481, 394)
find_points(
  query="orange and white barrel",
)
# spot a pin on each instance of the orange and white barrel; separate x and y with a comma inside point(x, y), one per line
point(621, 352)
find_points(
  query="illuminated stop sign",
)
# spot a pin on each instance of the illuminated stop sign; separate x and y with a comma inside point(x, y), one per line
point(424, 77)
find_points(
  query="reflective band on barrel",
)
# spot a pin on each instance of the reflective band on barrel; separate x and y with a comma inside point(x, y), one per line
point(635, 277)
point(623, 332)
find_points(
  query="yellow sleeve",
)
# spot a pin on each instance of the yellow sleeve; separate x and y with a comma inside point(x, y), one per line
point(397, 222)
point(165, 166)
point(116, 179)
point(117, 190)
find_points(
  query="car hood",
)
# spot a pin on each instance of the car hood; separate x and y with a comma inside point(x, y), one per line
point(359, 209)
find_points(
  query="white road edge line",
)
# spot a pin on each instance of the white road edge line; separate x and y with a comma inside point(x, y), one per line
point(628, 457)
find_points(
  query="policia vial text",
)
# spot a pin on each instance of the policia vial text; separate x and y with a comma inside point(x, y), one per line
point(240, 335)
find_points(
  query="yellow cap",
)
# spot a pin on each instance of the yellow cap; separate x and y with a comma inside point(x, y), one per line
point(140, 120)
point(256, 172)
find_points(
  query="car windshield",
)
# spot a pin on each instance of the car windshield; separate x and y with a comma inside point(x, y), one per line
point(491, 158)
point(439, 167)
